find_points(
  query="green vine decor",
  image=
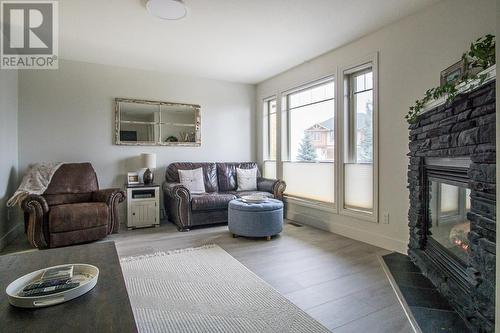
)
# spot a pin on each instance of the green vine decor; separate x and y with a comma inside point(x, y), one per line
point(480, 56)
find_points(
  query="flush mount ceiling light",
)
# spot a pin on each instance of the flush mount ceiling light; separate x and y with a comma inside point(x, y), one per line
point(167, 9)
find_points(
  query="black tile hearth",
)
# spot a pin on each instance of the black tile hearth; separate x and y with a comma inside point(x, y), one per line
point(413, 280)
point(429, 309)
point(433, 320)
point(429, 298)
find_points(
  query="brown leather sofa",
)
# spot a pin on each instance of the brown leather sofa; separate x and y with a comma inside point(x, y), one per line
point(72, 210)
point(187, 210)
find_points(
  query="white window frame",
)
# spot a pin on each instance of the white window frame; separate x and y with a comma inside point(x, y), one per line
point(284, 157)
point(266, 128)
point(343, 73)
point(286, 94)
point(266, 131)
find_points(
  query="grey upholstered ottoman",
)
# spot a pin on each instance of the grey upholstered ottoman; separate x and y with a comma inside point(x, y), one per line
point(255, 219)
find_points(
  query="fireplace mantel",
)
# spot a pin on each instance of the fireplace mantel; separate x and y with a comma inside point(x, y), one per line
point(491, 74)
point(455, 136)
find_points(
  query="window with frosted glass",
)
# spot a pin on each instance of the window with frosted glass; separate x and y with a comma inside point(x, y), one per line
point(309, 168)
point(358, 165)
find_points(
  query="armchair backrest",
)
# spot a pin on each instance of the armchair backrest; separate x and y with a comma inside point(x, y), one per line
point(73, 178)
point(226, 174)
point(209, 173)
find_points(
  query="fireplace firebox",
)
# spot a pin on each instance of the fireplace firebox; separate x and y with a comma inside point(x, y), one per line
point(452, 184)
point(446, 226)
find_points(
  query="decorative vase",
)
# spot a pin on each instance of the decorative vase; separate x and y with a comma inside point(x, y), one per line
point(148, 177)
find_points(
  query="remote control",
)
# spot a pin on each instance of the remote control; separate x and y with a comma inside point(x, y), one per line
point(45, 284)
point(48, 290)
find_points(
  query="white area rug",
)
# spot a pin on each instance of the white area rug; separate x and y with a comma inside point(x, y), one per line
point(205, 289)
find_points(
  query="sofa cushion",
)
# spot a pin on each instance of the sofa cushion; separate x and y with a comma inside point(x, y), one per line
point(211, 201)
point(78, 216)
point(247, 179)
point(192, 180)
point(209, 173)
point(226, 174)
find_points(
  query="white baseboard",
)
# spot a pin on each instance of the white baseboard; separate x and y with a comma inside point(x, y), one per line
point(384, 242)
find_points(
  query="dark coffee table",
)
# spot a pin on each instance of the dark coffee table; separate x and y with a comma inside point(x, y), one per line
point(106, 308)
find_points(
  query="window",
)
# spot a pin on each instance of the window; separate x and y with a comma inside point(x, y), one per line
point(269, 109)
point(310, 114)
point(359, 139)
point(310, 110)
point(331, 136)
point(310, 131)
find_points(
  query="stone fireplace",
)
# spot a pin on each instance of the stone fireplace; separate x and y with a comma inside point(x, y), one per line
point(452, 219)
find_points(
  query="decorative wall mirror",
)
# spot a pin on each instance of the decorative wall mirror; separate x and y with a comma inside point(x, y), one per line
point(153, 123)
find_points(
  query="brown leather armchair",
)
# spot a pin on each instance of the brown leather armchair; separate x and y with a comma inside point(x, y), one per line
point(72, 210)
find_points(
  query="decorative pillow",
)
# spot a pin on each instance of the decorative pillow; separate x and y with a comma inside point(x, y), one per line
point(192, 180)
point(247, 179)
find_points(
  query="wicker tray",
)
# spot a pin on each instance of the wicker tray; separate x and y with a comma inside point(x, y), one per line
point(87, 275)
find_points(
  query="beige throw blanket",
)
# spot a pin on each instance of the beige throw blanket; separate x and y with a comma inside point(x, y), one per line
point(35, 181)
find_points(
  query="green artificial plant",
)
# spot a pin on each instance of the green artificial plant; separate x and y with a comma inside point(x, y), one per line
point(480, 56)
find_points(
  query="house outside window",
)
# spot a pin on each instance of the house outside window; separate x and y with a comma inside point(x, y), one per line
point(323, 139)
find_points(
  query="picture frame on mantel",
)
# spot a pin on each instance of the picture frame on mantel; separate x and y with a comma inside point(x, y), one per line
point(453, 73)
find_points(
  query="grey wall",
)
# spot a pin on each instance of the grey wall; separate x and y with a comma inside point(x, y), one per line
point(67, 115)
point(9, 219)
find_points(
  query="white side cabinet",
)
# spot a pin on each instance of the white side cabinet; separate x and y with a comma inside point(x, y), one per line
point(143, 206)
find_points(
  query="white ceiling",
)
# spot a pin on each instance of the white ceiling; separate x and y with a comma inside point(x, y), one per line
point(235, 40)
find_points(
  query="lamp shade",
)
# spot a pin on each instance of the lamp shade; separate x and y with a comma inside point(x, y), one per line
point(149, 161)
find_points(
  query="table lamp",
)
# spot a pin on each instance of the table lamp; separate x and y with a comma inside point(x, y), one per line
point(148, 162)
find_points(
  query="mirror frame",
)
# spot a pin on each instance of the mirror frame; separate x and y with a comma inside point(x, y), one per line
point(197, 111)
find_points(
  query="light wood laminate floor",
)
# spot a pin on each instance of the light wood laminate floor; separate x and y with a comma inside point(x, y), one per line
point(337, 280)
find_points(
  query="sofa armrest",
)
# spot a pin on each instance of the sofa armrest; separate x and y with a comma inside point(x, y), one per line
point(111, 197)
point(177, 200)
point(176, 191)
point(108, 195)
point(36, 209)
point(274, 186)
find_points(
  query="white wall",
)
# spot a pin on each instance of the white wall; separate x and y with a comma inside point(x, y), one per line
point(412, 52)
point(67, 115)
point(9, 225)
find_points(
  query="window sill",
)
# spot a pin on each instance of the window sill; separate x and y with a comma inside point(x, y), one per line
point(359, 214)
point(329, 207)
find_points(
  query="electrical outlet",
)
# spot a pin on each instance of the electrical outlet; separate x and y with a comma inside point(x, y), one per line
point(386, 218)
